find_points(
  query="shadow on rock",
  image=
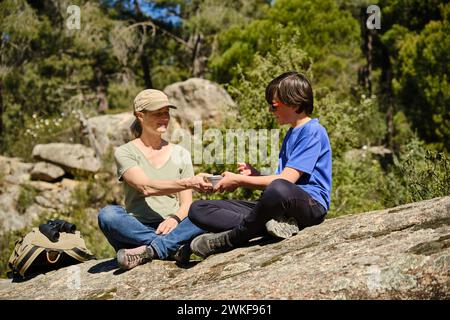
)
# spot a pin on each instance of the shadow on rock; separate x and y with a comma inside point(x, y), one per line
point(261, 241)
point(119, 271)
point(19, 279)
point(104, 266)
point(189, 264)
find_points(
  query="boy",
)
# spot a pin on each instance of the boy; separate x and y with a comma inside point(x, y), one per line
point(299, 190)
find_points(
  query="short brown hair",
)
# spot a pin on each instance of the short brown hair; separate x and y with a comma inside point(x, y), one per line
point(293, 89)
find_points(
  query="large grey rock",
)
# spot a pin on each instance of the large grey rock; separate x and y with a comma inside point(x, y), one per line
point(43, 186)
point(398, 253)
point(199, 99)
point(14, 171)
point(9, 216)
point(48, 197)
point(111, 130)
point(74, 158)
point(56, 197)
point(46, 171)
point(13, 166)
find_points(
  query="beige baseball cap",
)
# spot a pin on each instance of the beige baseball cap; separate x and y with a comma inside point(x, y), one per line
point(151, 99)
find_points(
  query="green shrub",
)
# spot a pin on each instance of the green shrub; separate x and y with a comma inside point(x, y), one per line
point(26, 198)
point(425, 174)
point(403, 133)
point(357, 186)
point(120, 95)
point(88, 198)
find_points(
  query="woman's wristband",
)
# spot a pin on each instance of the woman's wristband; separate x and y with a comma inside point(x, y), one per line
point(177, 218)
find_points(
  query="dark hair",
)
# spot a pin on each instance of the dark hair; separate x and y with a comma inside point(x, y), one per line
point(293, 89)
point(136, 126)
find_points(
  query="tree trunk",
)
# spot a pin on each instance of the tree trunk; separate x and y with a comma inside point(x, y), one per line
point(101, 91)
point(146, 70)
point(371, 42)
point(199, 59)
point(365, 72)
point(145, 63)
point(389, 112)
point(102, 100)
point(369, 61)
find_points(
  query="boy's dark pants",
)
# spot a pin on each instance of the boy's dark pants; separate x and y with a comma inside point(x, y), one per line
point(248, 218)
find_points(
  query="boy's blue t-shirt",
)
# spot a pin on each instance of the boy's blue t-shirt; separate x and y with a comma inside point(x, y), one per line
point(307, 148)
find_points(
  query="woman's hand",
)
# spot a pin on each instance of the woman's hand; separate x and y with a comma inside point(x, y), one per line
point(247, 170)
point(199, 183)
point(167, 226)
point(230, 182)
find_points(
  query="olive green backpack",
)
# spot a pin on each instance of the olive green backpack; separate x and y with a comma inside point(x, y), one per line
point(35, 253)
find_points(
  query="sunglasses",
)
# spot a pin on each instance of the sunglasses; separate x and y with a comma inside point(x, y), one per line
point(273, 106)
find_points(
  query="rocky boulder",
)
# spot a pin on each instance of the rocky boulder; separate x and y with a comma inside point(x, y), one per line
point(45, 171)
point(13, 170)
point(9, 216)
point(74, 158)
point(41, 197)
point(199, 99)
point(22, 200)
point(111, 130)
point(397, 253)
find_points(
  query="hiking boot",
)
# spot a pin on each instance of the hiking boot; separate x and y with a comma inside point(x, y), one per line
point(129, 258)
point(282, 227)
point(183, 254)
point(211, 243)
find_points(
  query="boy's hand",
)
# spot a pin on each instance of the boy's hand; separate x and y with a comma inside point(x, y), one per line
point(247, 170)
point(229, 182)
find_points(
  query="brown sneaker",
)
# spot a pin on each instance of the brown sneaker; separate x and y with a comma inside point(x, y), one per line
point(129, 258)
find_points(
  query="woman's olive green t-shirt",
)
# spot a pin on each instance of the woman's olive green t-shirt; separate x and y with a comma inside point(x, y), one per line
point(153, 208)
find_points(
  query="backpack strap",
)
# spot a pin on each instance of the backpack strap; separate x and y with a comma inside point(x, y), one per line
point(15, 254)
point(79, 254)
point(27, 259)
point(55, 260)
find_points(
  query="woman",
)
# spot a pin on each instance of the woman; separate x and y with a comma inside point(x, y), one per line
point(158, 178)
point(299, 190)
